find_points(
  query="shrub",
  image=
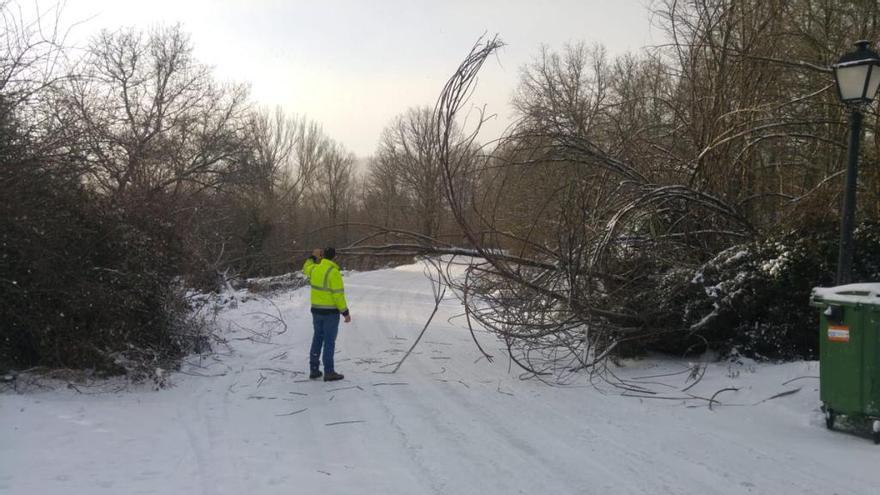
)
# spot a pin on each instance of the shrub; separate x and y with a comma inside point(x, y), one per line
point(84, 285)
point(754, 298)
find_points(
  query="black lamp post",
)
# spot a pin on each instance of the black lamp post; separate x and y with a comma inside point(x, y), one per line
point(858, 77)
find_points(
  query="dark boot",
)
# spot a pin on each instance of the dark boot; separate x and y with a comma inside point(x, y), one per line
point(333, 376)
point(315, 374)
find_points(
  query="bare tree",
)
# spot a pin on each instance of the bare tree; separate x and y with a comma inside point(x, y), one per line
point(383, 193)
point(150, 118)
point(332, 195)
point(408, 150)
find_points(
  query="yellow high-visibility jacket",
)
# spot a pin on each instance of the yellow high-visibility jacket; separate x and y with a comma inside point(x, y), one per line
point(328, 293)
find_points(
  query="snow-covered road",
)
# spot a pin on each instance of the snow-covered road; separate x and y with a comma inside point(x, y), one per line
point(447, 422)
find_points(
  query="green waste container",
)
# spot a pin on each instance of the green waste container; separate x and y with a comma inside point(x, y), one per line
point(849, 352)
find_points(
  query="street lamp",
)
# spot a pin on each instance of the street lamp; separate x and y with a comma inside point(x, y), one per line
point(858, 76)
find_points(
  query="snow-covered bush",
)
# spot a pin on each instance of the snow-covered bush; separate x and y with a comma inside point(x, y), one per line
point(754, 298)
point(84, 285)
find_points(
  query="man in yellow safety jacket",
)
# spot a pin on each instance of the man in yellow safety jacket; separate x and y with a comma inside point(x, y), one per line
point(328, 302)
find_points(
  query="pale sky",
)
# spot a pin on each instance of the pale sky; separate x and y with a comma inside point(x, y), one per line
point(353, 65)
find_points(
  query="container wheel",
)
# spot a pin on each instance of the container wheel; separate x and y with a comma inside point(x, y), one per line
point(830, 416)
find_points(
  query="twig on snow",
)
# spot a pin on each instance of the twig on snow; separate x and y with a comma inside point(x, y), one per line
point(203, 375)
point(661, 397)
point(781, 394)
point(294, 412)
point(346, 388)
point(281, 371)
point(697, 375)
point(728, 389)
point(501, 391)
point(799, 378)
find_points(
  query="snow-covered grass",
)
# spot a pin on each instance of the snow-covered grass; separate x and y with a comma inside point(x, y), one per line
point(247, 420)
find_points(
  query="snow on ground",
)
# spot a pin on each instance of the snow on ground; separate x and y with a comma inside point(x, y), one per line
point(447, 422)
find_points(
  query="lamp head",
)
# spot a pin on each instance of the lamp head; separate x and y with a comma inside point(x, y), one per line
point(857, 74)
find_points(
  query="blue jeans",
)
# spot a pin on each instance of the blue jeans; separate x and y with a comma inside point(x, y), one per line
point(326, 328)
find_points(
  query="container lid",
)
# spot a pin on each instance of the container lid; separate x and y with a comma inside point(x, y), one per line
point(868, 293)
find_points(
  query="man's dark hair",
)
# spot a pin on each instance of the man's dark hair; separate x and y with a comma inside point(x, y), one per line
point(329, 253)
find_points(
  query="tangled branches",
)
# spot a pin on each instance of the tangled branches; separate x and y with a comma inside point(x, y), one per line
point(556, 283)
point(563, 243)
